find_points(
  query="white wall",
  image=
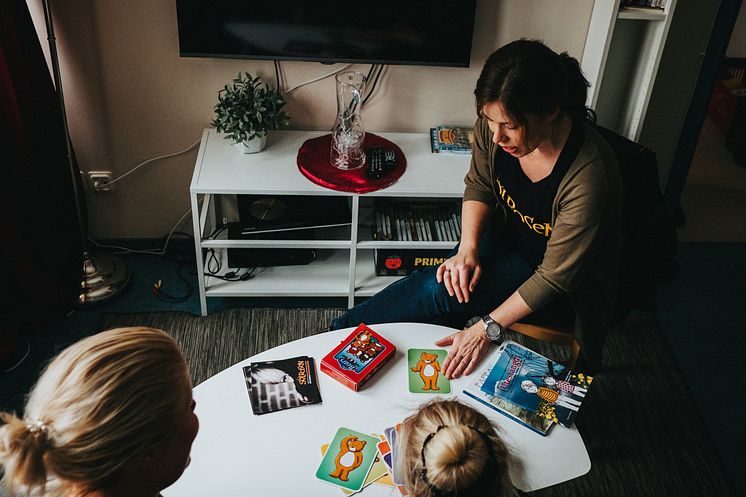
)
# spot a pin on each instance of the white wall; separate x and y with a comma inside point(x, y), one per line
point(131, 97)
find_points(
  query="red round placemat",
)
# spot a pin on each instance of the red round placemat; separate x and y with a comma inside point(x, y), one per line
point(315, 164)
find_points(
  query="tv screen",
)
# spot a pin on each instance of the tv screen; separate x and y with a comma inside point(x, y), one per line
point(435, 33)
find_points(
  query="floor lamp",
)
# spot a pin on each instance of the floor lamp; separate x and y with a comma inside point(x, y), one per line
point(104, 275)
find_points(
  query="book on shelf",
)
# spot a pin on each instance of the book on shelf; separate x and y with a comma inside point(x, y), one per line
point(262, 214)
point(531, 381)
point(417, 221)
point(451, 140)
point(642, 5)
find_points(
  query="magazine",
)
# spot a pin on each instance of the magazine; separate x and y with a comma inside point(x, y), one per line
point(523, 416)
point(529, 380)
point(451, 140)
point(282, 384)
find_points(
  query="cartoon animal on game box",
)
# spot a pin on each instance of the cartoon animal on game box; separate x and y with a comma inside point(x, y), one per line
point(357, 357)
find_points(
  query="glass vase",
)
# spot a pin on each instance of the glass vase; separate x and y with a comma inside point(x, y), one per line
point(348, 134)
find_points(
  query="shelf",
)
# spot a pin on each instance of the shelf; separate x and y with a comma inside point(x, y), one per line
point(220, 171)
point(622, 53)
point(366, 240)
point(322, 244)
point(326, 238)
point(367, 283)
point(375, 244)
point(327, 276)
point(642, 14)
point(324, 277)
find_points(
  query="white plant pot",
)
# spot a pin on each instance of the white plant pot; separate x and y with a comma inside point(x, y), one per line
point(251, 146)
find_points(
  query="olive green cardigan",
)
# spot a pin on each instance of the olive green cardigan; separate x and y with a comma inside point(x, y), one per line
point(582, 254)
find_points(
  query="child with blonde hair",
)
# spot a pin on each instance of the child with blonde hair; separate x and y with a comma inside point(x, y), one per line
point(111, 415)
point(450, 449)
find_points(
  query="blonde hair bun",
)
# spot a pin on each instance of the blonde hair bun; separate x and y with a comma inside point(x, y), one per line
point(449, 448)
point(455, 457)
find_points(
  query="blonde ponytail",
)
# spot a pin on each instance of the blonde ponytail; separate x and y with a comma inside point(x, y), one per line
point(22, 449)
point(99, 404)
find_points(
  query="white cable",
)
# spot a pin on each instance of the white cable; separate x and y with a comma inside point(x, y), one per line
point(160, 251)
point(318, 79)
point(153, 159)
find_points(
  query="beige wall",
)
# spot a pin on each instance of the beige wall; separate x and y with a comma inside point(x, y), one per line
point(737, 45)
point(677, 75)
point(131, 97)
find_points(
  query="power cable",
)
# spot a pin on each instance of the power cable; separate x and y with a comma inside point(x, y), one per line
point(160, 251)
point(190, 147)
point(340, 69)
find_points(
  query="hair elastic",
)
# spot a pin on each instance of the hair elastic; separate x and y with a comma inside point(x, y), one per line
point(39, 427)
point(485, 474)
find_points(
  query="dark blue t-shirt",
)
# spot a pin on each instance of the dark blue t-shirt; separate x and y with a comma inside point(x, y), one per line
point(529, 204)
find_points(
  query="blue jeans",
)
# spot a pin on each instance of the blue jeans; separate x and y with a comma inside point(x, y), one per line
point(420, 298)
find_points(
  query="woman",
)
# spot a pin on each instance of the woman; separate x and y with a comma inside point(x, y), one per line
point(450, 449)
point(112, 415)
point(550, 250)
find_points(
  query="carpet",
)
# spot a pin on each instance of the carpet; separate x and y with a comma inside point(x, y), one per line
point(643, 432)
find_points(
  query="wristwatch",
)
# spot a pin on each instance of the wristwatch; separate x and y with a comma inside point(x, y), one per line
point(492, 329)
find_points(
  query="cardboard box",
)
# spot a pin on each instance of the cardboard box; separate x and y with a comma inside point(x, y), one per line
point(357, 358)
point(394, 262)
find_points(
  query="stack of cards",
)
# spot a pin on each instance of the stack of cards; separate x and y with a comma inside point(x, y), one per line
point(354, 361)
point(277, 385)
point(354, 460)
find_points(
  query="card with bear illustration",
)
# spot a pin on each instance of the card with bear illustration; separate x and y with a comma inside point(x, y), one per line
point(424, 371)
point(378, 474)
point(349, 459)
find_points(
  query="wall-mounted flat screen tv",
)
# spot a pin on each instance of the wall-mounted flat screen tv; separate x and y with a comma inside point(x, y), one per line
point(435, 33)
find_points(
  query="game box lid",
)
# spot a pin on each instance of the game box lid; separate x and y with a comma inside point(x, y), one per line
point(358, 357)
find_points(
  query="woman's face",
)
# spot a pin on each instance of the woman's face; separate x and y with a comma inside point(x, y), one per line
point(510, 135)
point(174, 452)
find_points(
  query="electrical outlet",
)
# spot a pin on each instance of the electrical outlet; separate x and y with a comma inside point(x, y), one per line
point(100, 180)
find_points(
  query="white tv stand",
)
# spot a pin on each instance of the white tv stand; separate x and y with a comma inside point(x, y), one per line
point(344, 263)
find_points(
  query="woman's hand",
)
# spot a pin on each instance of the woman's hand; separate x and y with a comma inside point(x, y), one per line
point(467, 349)
point(460, 274)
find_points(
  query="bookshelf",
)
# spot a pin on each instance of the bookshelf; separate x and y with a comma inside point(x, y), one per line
point(344, 264)
point(622, 53)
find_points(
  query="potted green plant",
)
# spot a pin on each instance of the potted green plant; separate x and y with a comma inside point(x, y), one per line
point(247, 110)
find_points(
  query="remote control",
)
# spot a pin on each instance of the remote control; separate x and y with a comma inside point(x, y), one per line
point(389, 159)
point(375, 162)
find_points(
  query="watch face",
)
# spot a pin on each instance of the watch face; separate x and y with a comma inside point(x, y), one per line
point(494, 331)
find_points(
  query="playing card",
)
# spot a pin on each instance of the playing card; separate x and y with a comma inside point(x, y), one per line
point(390, 434)
point(349, 459)
point(384, 450)
point(424, 371)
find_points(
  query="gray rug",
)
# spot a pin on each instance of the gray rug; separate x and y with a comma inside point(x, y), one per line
point(639, 423)
point(222, 339)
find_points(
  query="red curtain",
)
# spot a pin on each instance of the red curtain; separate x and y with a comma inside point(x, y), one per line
point(40, 246)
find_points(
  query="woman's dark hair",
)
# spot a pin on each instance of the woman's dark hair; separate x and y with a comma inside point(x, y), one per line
point(527, 77)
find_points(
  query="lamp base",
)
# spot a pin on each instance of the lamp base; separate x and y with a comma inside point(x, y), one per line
point(105, 276)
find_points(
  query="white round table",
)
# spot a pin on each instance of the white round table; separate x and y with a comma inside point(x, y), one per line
point(238, 454)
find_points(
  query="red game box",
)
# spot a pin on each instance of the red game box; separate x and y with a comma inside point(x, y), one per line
point(358, 357)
